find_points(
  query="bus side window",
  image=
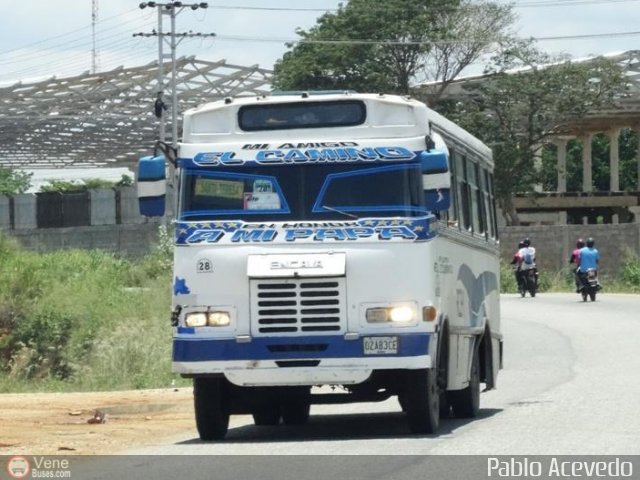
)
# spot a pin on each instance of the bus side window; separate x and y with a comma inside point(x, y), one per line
point(463, 193)
point(480, 195)
point(492, 204)
point(486, 202)
point(453, 216)
point(472, 187)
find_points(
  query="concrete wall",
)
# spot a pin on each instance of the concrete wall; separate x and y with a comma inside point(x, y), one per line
point(5, 213)
point(103, 206)
point(132, 241)
point(114, 225)
point(24, 211)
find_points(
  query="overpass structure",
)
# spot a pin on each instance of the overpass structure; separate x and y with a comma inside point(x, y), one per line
point(107, 118)
point(587, 205)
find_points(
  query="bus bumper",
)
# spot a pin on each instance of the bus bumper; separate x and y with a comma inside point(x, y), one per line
point(318, 360)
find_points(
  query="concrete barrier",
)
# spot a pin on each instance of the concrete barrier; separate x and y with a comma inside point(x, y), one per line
point(24, 211)
point(103, 206)
point(128, 206)
point(5, 213)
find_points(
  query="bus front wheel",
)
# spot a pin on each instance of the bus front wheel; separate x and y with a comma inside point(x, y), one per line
point(212, 415)
point(421, 401)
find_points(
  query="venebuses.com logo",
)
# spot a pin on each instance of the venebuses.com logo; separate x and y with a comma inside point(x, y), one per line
point(18, 467)
point(38, 467)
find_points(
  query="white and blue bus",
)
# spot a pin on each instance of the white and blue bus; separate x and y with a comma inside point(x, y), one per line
point(334, 239)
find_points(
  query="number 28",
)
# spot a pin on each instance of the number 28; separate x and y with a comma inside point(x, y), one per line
point(204, 266)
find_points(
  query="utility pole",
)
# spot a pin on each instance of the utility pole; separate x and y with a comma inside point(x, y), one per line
point(94, 21)
point(171, 10)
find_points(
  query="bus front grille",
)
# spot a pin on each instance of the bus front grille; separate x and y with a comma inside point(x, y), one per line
point(298, 306)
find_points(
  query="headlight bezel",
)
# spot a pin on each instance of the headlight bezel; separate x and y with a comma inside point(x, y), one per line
point(393, 314)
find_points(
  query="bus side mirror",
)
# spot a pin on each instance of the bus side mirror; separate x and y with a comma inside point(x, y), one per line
point(152, 186)
point(436, 180)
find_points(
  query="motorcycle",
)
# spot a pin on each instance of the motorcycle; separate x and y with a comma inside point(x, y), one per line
point(528, 282)
point(589, 284)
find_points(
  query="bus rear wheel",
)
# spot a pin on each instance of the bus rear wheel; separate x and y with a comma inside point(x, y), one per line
point(212, 415)
point(421, 401)
point(466, 402)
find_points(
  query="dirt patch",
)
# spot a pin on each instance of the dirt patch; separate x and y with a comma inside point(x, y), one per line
point(55, 423)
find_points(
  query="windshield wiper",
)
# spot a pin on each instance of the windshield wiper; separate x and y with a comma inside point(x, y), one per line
point(326, 207)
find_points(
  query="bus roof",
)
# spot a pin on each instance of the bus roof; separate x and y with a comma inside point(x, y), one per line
point(388, 116)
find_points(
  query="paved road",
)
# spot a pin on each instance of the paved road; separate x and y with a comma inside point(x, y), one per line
point(571, 385)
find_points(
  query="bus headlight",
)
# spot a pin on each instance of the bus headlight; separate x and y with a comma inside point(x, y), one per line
point(218, 319)
point(398, 314)
point(195, 319)
point(377, 315)
point(403, 314)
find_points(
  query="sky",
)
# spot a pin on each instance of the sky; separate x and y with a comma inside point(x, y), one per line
point(42, 38)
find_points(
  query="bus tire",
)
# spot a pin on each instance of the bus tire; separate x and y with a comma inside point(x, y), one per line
point(443, 369)
point(296, 405)
point(266, 407)
point(421, 399)
point(466, 402)
point(266, 415)
point(212, 415)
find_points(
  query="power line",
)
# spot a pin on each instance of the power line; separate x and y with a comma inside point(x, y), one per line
point(588, 36)
point(47, 40)
point(123, 44)
point(534, 3)
point(565, 3)
point(410, 42)
point(76, 42)
point(71, 61)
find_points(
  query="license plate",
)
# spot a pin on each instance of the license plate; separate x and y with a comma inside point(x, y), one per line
point(380, 345)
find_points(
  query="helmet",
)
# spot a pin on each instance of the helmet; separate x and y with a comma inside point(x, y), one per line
point(520, 244)
point(526, 242)
point(590, 242)
point(580, 243)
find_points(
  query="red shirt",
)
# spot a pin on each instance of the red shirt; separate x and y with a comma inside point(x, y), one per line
point(575, 257)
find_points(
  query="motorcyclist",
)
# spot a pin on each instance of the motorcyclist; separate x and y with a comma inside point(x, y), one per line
point(527, 252)
point(527, 258)
point(589, 258)
point(575, 258)
point(524, 260)
point(516, 261)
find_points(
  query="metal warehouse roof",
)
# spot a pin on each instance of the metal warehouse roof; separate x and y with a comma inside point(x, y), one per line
point(107, 118)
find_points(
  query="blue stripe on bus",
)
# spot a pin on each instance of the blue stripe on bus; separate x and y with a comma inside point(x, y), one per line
point(283, 348)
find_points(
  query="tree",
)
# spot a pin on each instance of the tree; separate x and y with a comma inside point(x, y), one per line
point(13, 182)
point(528, 97)
point(373, 46)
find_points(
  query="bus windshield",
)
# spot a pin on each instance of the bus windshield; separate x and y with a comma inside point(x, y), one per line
point(302, 192)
